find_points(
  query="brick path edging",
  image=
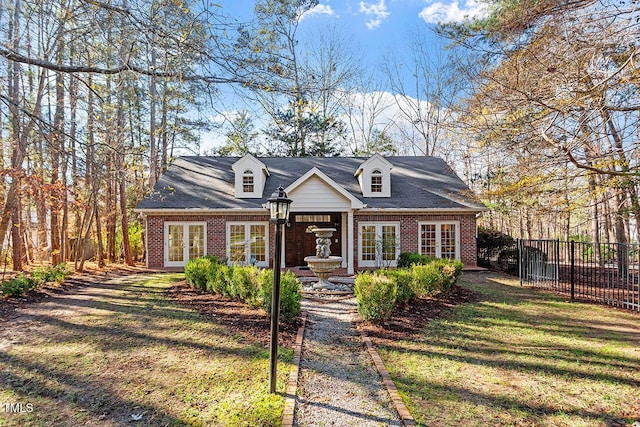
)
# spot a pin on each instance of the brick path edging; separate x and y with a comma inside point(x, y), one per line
point(405, 416)
point(292, 383)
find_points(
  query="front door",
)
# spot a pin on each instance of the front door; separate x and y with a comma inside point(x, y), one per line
point(300, 244)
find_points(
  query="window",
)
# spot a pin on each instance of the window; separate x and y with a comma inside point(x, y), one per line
point(184, 241)
point(313, 218)
point(247, 243)
point(440, 239)
point(376, 181)
point(379, 244)
point(247, 181)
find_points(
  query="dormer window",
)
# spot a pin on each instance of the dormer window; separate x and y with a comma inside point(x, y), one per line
point(247, 181)
point(374, 176)
point(376, 181)
point(250, 177)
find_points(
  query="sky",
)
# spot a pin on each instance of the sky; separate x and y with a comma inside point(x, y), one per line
point(377, 28)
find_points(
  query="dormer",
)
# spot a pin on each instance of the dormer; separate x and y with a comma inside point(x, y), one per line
point(251, 176)
point(374, 176)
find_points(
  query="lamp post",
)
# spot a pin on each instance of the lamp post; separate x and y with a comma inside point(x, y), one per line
point(279, 206)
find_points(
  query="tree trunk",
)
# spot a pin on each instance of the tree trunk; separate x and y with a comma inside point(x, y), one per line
point(153, 148)
point(57, 143)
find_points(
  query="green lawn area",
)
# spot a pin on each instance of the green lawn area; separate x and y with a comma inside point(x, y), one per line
point(128, 353)
point(520, 357)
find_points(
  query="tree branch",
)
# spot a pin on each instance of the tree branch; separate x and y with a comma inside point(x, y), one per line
point(579, 165)
point(63, 68)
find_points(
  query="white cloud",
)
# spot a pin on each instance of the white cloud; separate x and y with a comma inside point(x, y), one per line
point(377, 11)
point(453, 12)
point(320, 9)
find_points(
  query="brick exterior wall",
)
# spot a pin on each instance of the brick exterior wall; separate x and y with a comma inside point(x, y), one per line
point(409, 232)
point(217, 233)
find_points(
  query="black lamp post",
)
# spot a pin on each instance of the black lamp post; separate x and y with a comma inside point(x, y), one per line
point(279, 206)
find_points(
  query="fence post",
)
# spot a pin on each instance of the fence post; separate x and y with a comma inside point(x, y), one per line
point(519, 255)
point(573, 268)
point(557, 254)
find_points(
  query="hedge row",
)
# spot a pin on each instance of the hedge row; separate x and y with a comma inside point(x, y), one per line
point(248, 284)
point(21, 284)
point(379, 292)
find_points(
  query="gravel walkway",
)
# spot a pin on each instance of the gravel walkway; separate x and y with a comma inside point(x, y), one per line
point(338, 385)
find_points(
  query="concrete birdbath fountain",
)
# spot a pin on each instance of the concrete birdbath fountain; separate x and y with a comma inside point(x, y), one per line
point(323, 264)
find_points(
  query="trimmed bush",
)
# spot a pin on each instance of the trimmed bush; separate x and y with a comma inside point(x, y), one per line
point(376, 296)
point(427, 280)
point(404, 281)
point(290, 294)
point(377, 293)
point(248, 284)
point(451, 271)
point(407, 259)
point(196, 271)
point(243, 284)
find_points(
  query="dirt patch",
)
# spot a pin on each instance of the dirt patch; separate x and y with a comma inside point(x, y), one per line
point(406, 322)
point(9, 306)
point(239, 319)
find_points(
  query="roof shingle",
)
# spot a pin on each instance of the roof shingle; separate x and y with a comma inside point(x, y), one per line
point(417, 182)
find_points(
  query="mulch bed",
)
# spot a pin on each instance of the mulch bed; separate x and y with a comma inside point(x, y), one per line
point(407, 322)
point(253, 325)
point(8, 306)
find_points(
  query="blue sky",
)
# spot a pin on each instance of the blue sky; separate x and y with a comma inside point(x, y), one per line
point(377, 28)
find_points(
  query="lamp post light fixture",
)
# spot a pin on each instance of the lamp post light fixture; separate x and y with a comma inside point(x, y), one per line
point(279, 206)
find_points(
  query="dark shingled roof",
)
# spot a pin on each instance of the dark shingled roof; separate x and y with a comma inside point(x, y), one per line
point(198, 182)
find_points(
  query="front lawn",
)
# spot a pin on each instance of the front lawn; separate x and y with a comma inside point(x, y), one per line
point(124, 353)
point(520, 356)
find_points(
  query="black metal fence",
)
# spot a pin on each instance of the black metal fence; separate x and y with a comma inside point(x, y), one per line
point(608, 273)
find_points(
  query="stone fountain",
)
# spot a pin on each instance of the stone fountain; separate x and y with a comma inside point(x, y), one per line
point(323, 264)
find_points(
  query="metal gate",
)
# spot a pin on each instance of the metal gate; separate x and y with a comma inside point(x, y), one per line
point(539, 263)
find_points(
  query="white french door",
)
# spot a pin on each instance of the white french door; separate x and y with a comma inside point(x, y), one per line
point(183, 241)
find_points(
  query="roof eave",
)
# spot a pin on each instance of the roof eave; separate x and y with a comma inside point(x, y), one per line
point(200, 211)
point(424, 210)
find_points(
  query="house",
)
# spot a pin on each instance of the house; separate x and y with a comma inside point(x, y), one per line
point(379, 207)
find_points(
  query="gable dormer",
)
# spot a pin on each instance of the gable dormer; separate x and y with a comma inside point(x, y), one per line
point(374, 176)
point(250, 177)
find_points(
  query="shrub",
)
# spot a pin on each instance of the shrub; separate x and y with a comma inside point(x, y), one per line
point(427, 280)
point(290, 294)
point(21, 284)
point(493, 239)
point(216, 277)
point(40, 276)
point(407, 259)
point(17, 286)
point(375, 295)
point(196, 271)
point(451, 271)
point(58, 273)
point(404, 282)
point(243, 283)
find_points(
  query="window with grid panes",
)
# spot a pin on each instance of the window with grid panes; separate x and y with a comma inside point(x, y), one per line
point(247, 243)
point(440, 239)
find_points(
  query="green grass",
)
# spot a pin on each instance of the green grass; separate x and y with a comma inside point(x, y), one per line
point(521, 357)
point(102, 360)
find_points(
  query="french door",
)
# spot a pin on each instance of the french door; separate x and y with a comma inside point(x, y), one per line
point(183, 241)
